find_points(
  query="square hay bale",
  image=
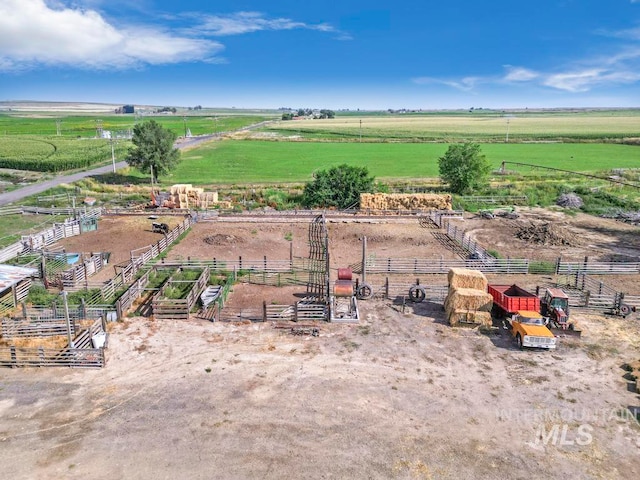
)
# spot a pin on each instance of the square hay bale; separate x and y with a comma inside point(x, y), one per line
point(468, 299)
point(401, 201)
point(456, 317)
point(465, 278)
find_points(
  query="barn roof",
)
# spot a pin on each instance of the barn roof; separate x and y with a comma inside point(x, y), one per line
point(10, 275)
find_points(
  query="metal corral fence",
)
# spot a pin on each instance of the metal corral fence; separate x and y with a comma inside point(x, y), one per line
point(11, 297)
point(433, 265)
point(41, 240)
point(299, 312)
point(79, 274)
point(143, 255)
point(40, 321)
point(170, 308)
point(83, 354)
point(585, 291)
point(105, 291)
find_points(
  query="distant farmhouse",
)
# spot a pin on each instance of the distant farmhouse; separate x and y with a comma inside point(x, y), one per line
point(125, 109)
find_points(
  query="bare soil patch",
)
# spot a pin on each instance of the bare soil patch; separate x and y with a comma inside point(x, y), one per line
point(398, 396)
point(549, 234)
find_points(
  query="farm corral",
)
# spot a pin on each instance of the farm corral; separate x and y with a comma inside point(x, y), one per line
point(400, 395)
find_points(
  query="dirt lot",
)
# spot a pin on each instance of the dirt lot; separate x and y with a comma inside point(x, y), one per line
point(401, 395)
point(398, 396)
point(600, 239)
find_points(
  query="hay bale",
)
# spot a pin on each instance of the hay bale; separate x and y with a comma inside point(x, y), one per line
point(400, 201)
point(465, 278)
point(468, 299)
point(456, 317)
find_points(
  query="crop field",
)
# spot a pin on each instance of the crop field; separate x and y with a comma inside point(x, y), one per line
point(86, 125)
point(266, 161)
point(480, 127)
point(54, 154)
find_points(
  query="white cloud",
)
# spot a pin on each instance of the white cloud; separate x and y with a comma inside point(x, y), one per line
point(466, 84)
point(519, 74)
point(585, 80)
point(247, 22)
point(620, 68)
point(33, 33)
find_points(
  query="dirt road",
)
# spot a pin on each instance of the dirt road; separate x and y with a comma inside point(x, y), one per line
point(398, 396)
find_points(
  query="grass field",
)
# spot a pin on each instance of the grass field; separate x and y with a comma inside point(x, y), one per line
point(231, 162)
point(13, 226)
point(86, 125)
point(24, 147)
point(588, 126)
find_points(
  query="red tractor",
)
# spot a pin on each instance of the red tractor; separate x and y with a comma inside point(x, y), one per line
point(555, 306)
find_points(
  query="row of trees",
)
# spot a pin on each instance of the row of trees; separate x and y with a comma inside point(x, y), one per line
point(463, 167)
point(324, 113)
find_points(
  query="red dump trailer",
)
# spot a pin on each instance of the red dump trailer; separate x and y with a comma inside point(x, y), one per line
point(510, 299)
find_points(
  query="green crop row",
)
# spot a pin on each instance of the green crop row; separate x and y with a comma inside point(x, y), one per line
point(55, 154)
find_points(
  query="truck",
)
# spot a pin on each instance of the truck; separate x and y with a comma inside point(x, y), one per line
point(510, 299)
point(530, 330)
point(522, 309)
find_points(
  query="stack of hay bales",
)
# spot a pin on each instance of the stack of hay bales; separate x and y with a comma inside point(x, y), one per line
point(185, 195)
point(468, 300)
point(399, 201)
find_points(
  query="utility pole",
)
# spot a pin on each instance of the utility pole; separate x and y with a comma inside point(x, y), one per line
point(184, 119)
point(507, 139)
point(113, 156)
point(360, 130)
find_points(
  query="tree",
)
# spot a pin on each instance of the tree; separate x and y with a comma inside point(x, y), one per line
point(339, 187)
point(464, 167)
point(153, 147)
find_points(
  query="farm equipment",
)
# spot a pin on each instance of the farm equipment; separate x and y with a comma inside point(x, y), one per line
point(510, 299)
point(555, 306)
point(530, 330)
point(522, 308)
point(157, 227)
point(343, 305)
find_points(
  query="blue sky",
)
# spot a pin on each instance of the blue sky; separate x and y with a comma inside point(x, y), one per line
point(323, 54)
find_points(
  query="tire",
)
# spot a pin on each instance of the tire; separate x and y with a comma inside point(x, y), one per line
point(417, 294)
point(364, 292)
point(519, 341)
point(625, 309)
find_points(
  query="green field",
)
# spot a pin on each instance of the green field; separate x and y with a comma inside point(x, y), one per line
point(230, 162)
point(23, 146)
point(55, 154)
point(574, 127)
point(87, 125)
point(13, 226)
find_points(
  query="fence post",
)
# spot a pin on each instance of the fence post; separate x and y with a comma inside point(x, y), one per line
point(558, 261)
point(386, 288)
point(295, 312)
point(264, 310)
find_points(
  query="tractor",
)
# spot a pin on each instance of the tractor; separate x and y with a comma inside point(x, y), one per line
point(555, 306)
